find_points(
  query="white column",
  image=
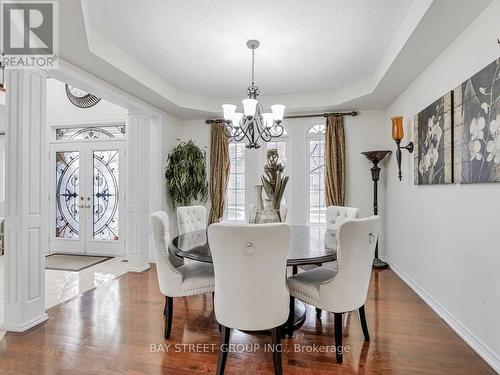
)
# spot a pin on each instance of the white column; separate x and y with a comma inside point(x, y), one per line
point(137, 195)
point(26, 200)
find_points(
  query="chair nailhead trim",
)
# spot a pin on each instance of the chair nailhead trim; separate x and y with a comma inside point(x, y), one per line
point(304, 295)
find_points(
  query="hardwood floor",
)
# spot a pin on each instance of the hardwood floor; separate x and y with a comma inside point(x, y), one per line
point(113, 329)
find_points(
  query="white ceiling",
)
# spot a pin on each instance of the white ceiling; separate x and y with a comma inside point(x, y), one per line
point(316, 55)
point(198, 46)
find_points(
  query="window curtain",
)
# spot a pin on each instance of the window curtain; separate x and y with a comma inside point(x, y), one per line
point(219, 171)
point(335, 164)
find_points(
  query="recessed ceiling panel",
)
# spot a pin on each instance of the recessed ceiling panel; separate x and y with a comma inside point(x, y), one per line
point(199, 46)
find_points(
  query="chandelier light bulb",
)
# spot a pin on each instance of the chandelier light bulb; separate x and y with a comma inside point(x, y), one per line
point(249, 107)
point(237, 116)
point(268, 120)
point(278, 112)
point(228, 111)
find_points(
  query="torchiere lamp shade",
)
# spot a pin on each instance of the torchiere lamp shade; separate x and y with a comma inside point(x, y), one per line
point(376, 156)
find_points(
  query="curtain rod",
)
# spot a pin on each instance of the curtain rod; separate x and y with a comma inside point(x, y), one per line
point(335, 114)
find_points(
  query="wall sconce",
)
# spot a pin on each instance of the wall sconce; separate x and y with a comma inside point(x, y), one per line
point(397, 135)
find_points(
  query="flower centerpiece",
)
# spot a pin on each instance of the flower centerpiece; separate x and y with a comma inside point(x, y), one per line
point(274, 182)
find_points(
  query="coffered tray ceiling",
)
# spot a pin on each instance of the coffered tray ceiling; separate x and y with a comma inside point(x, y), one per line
point(188, 56)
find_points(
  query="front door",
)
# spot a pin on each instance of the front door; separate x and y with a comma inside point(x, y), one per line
point(86, 198)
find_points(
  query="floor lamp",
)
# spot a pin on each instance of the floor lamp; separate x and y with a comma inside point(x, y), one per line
point(375, 157)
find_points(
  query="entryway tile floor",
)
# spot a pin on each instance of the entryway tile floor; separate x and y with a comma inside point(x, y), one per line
point(61, 286)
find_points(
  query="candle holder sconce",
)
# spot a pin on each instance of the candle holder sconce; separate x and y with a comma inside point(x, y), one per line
point(397, 135)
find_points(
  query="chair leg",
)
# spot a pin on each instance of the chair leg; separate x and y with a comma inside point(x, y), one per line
point(364, 326)
point(168, 312)
point(277, 351)
point(337, 321)
point(318, 313)
point(291, 318)
point(226, 332)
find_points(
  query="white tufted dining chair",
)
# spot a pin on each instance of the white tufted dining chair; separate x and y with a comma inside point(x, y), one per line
point(336, 215)
point(346, 288)
point(191, 218)
point(250, 288)
point(175, 278)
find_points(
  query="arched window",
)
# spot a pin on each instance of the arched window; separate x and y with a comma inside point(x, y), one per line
point(316, 181)
point(235, 194)
point(279, 144)
point(317, 130)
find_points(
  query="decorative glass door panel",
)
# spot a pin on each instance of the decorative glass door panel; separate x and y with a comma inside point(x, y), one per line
point(68, 194)
point(106, 195)
point(86, 198)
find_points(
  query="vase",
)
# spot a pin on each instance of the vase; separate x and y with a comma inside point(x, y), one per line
point(256, 207)
point(268, 214)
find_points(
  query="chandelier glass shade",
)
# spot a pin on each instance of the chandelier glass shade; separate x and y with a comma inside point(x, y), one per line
point(253, 124)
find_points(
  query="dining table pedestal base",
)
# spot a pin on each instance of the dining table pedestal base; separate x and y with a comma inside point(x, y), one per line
point(300, 314)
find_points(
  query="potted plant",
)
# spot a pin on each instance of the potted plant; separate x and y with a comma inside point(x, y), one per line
point(186, 174)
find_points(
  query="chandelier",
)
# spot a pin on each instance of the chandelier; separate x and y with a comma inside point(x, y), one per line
point(253, 124)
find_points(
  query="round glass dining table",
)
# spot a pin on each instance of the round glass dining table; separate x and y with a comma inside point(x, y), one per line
point(308, 246)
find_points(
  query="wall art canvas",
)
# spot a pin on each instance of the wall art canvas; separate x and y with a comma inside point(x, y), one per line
point(477, 126)
point(433, 140)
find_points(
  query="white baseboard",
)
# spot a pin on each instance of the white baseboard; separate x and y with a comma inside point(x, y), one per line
point(139, 269)
point(475, 343)
point(24, 327)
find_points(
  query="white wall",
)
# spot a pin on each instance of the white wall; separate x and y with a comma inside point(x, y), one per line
point(365, 132)
point(3, 126)
point(3, 116)
point(445, 240)
point(60, 111)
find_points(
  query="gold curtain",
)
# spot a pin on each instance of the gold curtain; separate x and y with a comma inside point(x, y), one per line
point(335, 164)
point(219, 171)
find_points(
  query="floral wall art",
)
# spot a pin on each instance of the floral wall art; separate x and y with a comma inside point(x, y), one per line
point(477, 126)
point(433, 143)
